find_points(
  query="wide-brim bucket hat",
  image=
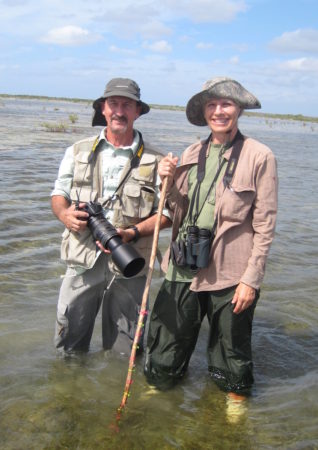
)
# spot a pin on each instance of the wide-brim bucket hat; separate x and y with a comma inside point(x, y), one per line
point(219, 87)
point(123, 87)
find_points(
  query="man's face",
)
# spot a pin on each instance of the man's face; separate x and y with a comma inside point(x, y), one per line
point(221, 115)
point(120, 113)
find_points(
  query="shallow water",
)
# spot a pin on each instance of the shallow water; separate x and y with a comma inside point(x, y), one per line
point(52, 403)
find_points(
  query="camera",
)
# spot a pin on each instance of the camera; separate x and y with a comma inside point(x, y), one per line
point(126, 257)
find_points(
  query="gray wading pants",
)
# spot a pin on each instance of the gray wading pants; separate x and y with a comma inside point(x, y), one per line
point(79, 302)
point(173, 331)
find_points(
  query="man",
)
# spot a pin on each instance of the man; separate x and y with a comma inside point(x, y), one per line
point(118, 170)
point(224, 203)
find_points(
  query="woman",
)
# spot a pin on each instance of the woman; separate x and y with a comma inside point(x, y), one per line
point(224, 204)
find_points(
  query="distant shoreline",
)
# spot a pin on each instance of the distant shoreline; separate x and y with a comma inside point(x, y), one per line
point(298, 117)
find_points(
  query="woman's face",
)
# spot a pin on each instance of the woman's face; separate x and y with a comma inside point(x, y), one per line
point(221, 114)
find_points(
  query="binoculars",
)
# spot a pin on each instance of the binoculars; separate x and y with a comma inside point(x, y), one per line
point(198, 244)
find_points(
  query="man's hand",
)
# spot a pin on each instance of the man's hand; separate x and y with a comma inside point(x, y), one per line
point(126, 236)
point(243, 298)
point(73, 219)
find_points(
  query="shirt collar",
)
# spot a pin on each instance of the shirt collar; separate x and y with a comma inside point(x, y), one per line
point(127, 148)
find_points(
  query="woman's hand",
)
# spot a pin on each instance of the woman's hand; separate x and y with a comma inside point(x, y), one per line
point(167, 167)
point(243, 298)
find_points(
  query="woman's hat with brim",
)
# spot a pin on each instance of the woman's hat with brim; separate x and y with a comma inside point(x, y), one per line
point(220, 87)
point(123, 87)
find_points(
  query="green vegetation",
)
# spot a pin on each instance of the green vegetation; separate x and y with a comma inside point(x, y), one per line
point(298, 117)
point(59, 127)
point(54, 127)
point(168, 107)
point(73, 118)
point(43, 97)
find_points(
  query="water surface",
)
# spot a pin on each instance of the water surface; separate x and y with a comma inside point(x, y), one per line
point(51, 403)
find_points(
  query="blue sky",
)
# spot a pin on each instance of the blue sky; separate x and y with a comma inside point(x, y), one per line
point(71, 48)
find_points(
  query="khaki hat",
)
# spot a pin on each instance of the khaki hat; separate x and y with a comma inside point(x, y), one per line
point(123, 87)
point(219, 87)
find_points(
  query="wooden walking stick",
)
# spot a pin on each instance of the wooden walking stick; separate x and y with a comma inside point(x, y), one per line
point(143, 308)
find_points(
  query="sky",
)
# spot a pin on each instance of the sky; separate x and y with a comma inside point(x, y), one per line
point(71, 48)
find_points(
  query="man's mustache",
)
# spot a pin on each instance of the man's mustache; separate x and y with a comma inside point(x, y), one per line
point(119, 118)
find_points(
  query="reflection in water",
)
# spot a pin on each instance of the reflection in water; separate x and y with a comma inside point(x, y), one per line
point(49, 402)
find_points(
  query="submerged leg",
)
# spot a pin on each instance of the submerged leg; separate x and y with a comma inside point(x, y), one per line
point(121, 306)
point(229, 347)
point(79, 301)
point(173, 331)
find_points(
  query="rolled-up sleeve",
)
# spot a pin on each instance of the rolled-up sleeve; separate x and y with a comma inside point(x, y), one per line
point(64, 180)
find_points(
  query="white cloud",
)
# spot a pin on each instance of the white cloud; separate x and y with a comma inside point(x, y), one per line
point(158, 46)
point(184, 39)
point(13, 3)
point(8, 67)
point(302, 40)
point(147, 19)
point(309, 65)
point(122, 51)
point(234, 60)
point(153, 29)
point(280, 88)
point(241, 47)
point(204, 45)
point(70, 35)
point(126, 19)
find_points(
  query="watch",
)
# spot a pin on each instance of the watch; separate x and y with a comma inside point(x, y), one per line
point(137, 233)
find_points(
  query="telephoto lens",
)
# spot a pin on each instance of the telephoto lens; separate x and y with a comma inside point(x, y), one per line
point(126, 257)
point(204, 245)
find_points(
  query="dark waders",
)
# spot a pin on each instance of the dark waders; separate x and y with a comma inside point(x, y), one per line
point(174, 328)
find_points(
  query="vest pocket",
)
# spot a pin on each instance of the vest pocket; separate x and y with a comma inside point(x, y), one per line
point(137, 201)
point(86, 193)
point(146, 170)
point(81, 166)
point(78, 249)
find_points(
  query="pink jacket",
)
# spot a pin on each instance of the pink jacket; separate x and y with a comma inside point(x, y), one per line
point(246, 217)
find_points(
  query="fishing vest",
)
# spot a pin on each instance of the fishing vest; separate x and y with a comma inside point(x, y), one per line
point(134, 203)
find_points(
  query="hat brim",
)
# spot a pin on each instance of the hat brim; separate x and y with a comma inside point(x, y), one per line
point(242, 97)
point(98, 116)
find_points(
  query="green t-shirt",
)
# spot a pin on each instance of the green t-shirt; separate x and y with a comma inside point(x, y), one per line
point(206, 217)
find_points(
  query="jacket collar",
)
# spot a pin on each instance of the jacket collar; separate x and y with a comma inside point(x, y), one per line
point(191, 156)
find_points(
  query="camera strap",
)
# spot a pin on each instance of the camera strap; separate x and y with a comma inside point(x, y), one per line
point(229, 172)
point(90, 158)
point(133, 163)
